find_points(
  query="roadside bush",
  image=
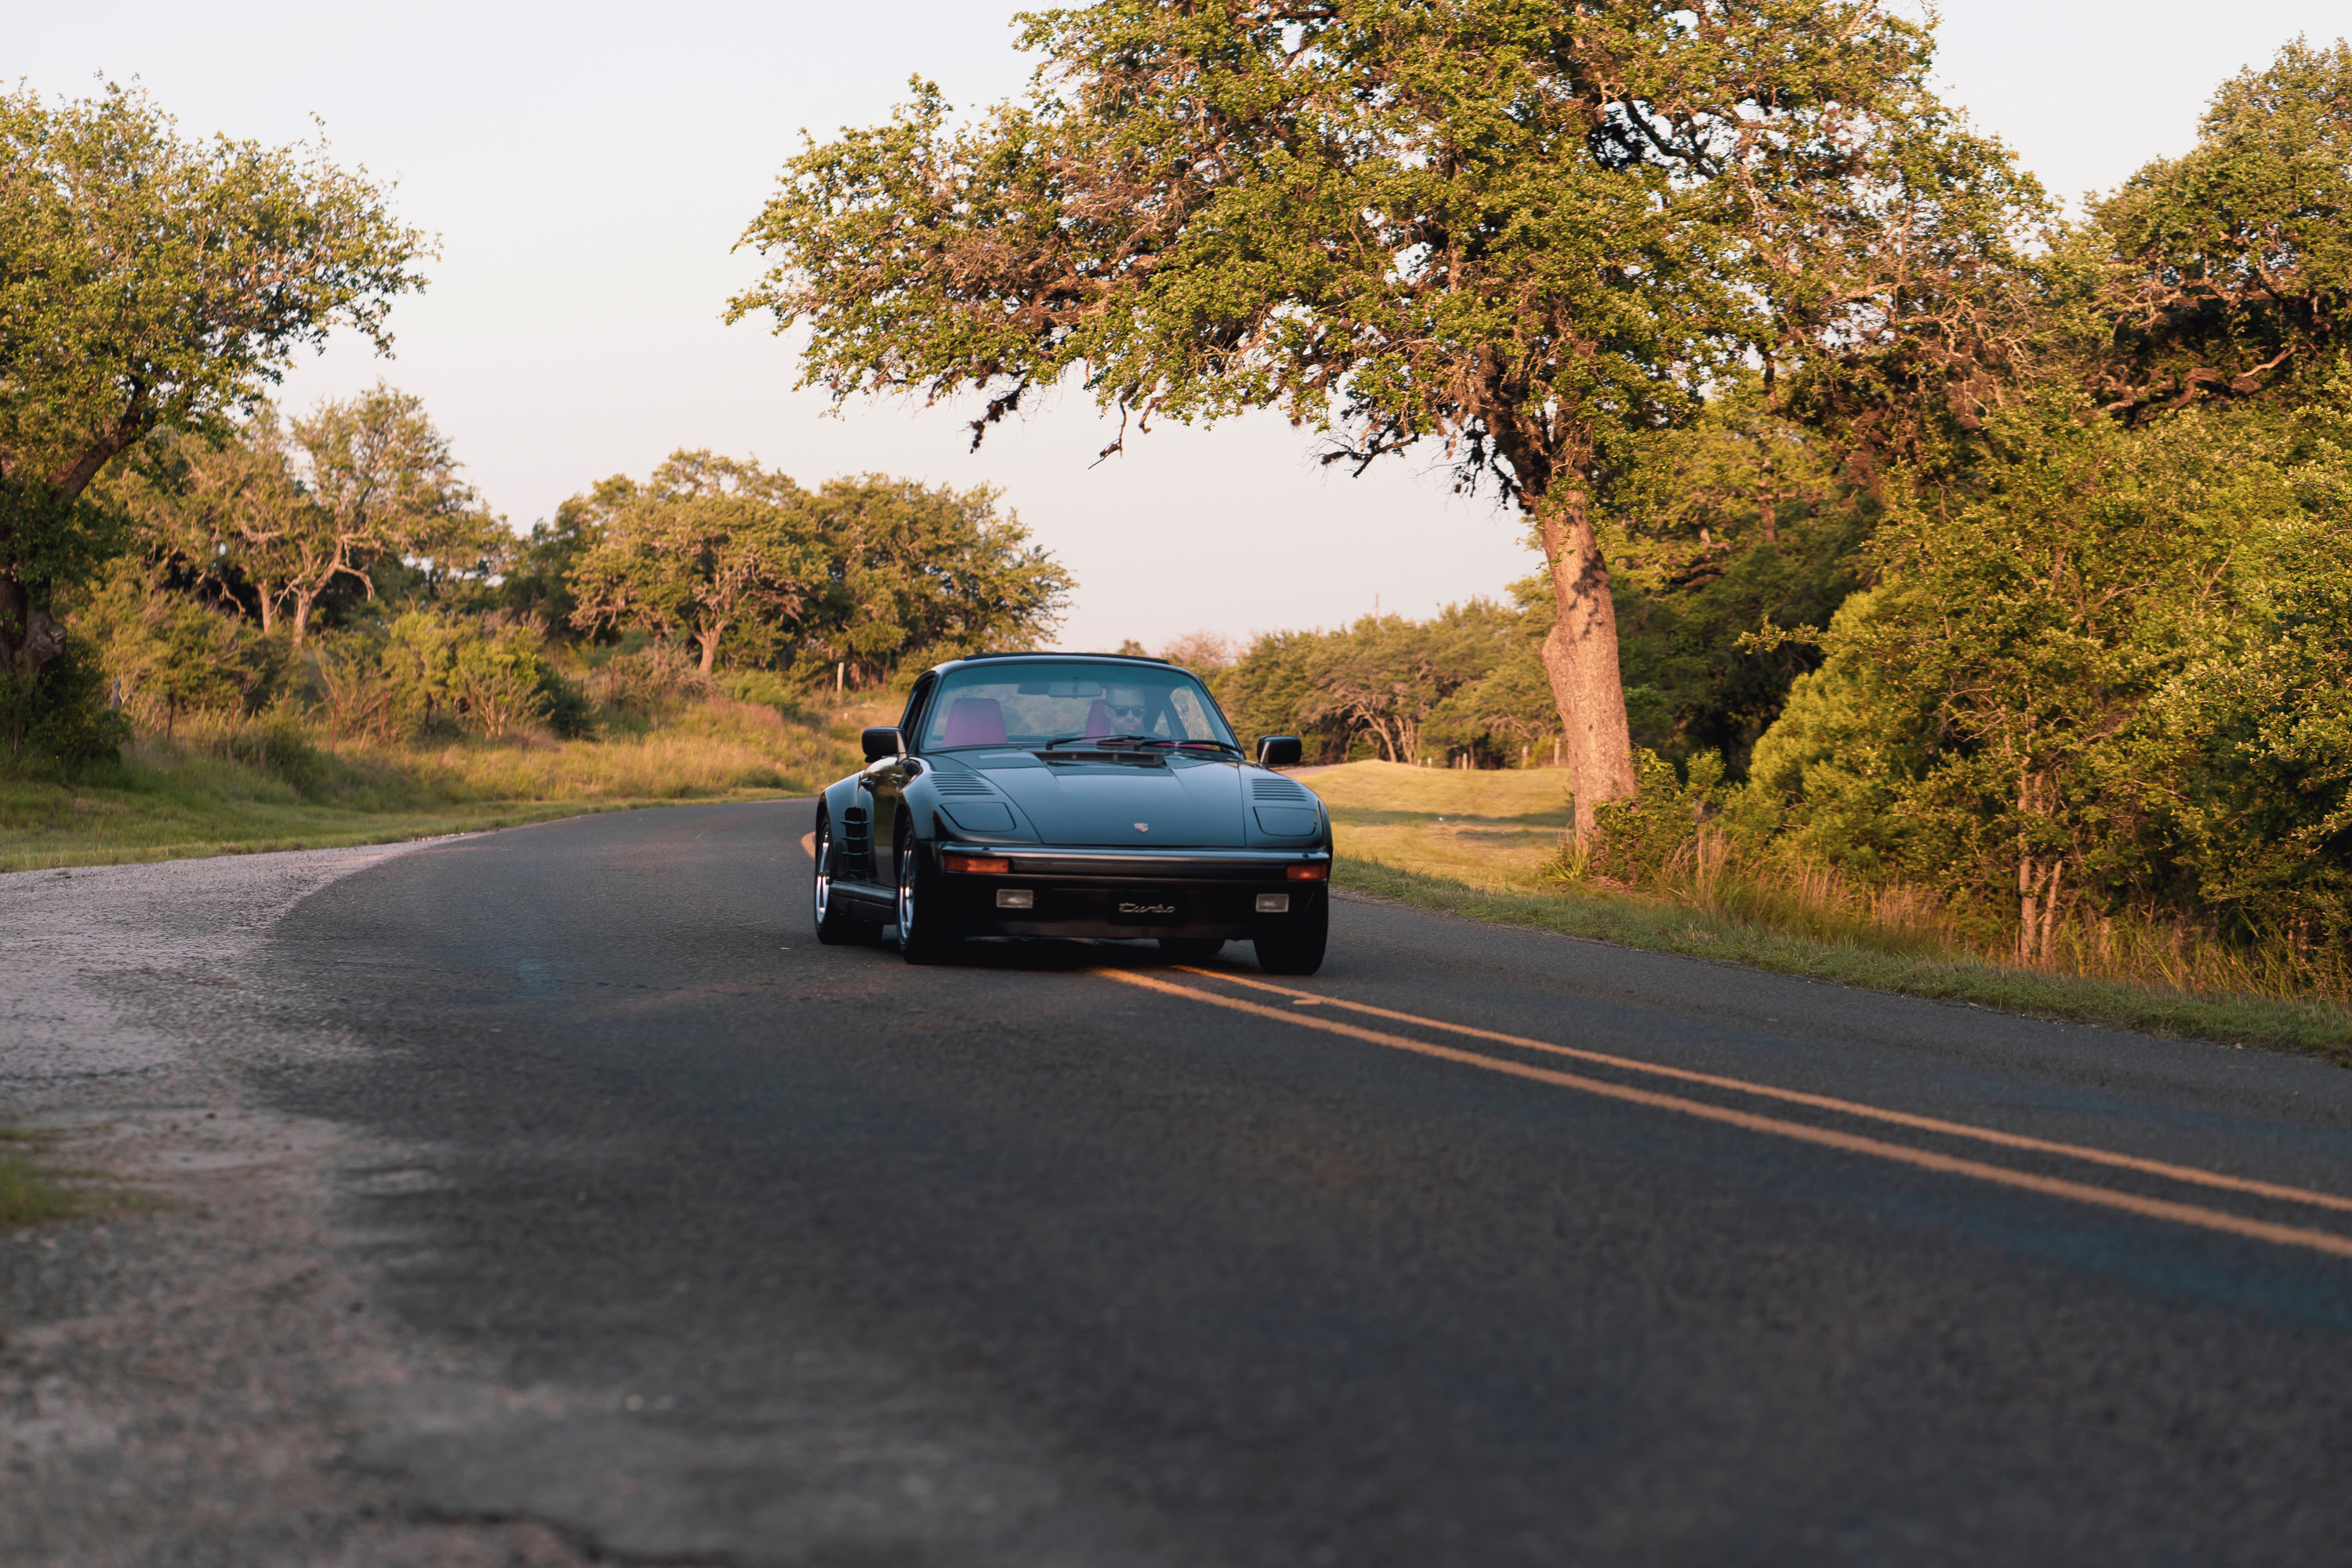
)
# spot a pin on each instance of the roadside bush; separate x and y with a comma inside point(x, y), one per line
point(168, 654)
point(1633, 839)
point(58, 716)
point(570, 711)
point(430, 672)
point(643, 682)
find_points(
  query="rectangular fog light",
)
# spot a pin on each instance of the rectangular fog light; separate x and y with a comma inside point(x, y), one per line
point(1274, 903)
point(1015, 899)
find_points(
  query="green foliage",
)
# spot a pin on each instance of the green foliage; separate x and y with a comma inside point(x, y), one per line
point(570, 711)
point(754, 571)
point(147, 284)
point(537, 580)
point(708, 547)
point(2222, 273)
point(57, 716)
point(154, 281)
point(2108, 682)
point(1744, 518)
point(1638, 836)
point(166, 654)
point(1393, 220)
point(429, 672)
point(1395, 687)
point(910, 567)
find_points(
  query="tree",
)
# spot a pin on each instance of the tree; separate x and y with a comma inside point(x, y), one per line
point(913, 567)
point(360, 486)
point(1520, 228)
point(1741, 518)
point(706, 547)
point(380, 481)
point(150, 282)
point(2214, 276)
point(1205, 653)
point(2101, 678)
point(212, 504)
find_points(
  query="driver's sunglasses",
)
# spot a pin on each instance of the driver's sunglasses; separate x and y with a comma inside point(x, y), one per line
point(1129, 707)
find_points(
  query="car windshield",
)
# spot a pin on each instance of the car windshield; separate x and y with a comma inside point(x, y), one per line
point(1034, 704)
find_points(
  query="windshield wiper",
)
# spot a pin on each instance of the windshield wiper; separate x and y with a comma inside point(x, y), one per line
point(1099, 741)
point(1142, 741)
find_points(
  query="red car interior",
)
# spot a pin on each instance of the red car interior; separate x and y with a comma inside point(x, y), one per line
point(976, 721)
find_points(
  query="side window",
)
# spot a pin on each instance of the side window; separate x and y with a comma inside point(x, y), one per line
point(914, 714)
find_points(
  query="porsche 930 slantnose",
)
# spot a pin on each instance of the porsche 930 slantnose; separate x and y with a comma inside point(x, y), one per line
point(1063, 794)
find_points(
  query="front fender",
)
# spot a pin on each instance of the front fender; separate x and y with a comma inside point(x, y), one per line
point(928, 816)
point(836, 799)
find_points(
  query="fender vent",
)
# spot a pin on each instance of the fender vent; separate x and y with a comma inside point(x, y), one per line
point(960, 784)
point(1277, 789)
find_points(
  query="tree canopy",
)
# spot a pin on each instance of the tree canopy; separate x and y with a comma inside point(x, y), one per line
point(1519, 229)
point(733, 557)
point(707, 545)
point(149, 281)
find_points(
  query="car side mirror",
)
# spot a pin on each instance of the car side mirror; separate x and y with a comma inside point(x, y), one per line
point(882, 740)
point(1277, 750)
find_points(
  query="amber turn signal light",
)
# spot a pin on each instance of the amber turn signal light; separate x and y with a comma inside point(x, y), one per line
point(987, 865)
point(1320, 872)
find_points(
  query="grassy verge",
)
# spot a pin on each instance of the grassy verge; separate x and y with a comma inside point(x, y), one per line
point(1472, 844)
point(215, 793)
point(27, 1193)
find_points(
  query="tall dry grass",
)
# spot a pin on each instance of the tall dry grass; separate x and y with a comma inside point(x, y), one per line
point(1711, 873)
point(221, 783)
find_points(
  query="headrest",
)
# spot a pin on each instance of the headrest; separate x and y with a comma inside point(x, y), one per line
point(975, 722)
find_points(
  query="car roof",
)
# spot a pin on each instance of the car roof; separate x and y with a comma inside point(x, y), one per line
point(1046, 657)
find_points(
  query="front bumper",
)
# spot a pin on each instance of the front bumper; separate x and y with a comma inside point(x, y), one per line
point(1130, 893)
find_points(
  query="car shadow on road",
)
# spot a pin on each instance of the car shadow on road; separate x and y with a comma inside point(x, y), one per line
point(1055, 956)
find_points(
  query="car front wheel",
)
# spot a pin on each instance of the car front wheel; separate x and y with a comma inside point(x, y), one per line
point(923, 937)
point(1298, 948)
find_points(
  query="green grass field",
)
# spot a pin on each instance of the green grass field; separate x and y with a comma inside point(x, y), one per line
point(1485, 830)
point(1473, 844)
point(29, 1193)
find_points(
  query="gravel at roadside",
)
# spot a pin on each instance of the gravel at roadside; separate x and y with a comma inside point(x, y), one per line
point(179, 1373)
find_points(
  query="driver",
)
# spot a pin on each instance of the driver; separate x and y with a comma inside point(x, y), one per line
point(1127, 707)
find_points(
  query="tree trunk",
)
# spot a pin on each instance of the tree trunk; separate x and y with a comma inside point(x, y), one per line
point(29, 635)
point(2037, 880)
point(1579, 656)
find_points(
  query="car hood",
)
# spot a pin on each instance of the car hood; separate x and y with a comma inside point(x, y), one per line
point(1180, 804)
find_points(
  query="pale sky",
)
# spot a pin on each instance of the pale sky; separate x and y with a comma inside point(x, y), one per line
point(589, 167)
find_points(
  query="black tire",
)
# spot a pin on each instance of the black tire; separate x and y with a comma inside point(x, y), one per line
point(1300, 949)
point(1192, 949)
point(835, 926)
point(923, 937)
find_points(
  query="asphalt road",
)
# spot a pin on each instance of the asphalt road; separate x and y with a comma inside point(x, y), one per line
point(773, 1252)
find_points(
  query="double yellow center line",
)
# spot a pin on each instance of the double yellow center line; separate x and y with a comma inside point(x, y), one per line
point(1803, 1132)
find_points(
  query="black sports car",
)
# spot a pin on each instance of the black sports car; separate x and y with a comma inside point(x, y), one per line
point(1073, 794)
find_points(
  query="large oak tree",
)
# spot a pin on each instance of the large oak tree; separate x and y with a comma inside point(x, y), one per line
point(1522, 229)
point(149, 281)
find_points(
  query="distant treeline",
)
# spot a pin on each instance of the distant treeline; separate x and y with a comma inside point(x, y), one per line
point(338, 561)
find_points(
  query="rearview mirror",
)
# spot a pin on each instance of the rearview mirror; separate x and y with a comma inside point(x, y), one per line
point(883, 741)
point(1277, 750)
